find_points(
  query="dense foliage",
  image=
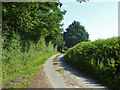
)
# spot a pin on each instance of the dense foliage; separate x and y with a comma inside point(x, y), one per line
point(100, 59)
point(29, 32)
point(74, 34)
point(31, 20)
point(60, 42)
point(17, 64)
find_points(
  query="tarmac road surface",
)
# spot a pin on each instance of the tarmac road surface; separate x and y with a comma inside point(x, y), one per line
point(68, 77)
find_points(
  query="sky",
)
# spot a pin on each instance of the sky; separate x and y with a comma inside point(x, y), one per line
point(99, 17)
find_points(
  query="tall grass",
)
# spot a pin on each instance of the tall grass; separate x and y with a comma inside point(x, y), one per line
point(100, 59)
point(19, 64)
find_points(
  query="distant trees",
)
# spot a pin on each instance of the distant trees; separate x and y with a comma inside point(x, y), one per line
point(74, 34)
point(60, 42)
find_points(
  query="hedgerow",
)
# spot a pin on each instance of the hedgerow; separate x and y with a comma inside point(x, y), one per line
point(18, 64)
point(100, 59)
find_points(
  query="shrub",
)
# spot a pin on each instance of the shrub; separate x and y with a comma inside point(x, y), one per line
point(100, 59)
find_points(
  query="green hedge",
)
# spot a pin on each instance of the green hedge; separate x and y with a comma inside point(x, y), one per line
point(20, 61)
point(100, 59)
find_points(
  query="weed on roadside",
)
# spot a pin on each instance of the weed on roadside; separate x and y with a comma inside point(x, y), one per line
point(60, 70)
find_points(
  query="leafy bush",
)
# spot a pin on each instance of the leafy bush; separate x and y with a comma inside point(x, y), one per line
point(100, 59)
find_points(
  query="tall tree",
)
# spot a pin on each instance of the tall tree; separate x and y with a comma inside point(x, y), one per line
point(31, 20)
point(74, 34)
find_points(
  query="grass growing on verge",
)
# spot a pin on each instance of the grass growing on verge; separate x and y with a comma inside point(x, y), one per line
point(17, 64)
point(60, 70)
point(55, 63)
point(56, 58)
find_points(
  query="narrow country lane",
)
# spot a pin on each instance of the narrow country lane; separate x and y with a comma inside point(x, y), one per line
point(67, 77)
point(54, 77)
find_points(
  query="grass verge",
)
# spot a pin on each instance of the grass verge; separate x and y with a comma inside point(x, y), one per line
point(25, 72)
point(18, 67)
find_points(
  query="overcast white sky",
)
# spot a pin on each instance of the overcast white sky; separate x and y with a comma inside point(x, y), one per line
point(100, 17)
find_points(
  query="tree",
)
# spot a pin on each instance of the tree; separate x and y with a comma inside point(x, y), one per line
point(31, 20)
point(60, 43)
point(74, 34)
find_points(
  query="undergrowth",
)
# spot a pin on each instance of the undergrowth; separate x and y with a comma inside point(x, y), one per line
point(20, 64)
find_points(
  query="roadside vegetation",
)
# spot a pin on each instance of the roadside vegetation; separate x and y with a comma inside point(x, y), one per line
point(60, 70)
point(21, 65)
point(100, 59)
point(29, 33)
point(56, 58)
point(32, 32)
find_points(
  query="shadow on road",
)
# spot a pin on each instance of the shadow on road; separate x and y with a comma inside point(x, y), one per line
point(76, 73)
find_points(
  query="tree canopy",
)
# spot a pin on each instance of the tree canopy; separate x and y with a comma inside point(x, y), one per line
point(74, 34)
point(31, 20)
